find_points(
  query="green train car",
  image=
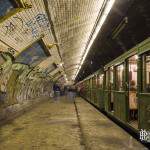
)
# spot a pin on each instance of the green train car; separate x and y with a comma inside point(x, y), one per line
point(122, 89)
point(92, 89)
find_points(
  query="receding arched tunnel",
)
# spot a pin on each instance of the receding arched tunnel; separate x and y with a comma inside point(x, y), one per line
point(79, 53)
point(20, 84)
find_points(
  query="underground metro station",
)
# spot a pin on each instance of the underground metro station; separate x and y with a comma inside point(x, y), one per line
point(74, 74)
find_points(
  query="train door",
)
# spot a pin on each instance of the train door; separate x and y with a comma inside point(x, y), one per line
point(94, 90)
point(132, 90)
point(108, 93)
point(144, 91)
point(120, 96)
point(100, 83)
point(91, 86)
point(97, 94)
point(88, 89)
point(111, 98)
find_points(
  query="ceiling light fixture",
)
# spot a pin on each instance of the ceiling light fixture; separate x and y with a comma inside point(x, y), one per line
point(61, 64)
point(101, 21)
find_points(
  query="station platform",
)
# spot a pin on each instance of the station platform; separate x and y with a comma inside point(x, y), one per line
point(65, 125)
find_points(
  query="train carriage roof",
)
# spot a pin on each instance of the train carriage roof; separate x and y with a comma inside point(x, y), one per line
point(137, 50)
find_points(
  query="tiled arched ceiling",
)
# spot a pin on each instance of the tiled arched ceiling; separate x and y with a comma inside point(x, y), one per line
point(63, 25)
point(73, 23)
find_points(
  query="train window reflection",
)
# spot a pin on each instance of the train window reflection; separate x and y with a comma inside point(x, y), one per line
point(119, 77)
point(148, 73)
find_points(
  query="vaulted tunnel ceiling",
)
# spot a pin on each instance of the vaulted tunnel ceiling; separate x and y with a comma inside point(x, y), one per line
point(63, 29)
point(64, 26)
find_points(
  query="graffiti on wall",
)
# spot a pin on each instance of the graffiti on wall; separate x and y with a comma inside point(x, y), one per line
point(11, 51)
point(5, 73)
point(35, 26)
point(6, 69)
point(39, 20)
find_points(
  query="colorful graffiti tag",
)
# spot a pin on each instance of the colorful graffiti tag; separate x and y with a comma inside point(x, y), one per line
point(34, 26)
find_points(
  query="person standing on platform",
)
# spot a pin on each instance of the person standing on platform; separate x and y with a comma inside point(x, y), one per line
point(56, 90)
point(72, 93)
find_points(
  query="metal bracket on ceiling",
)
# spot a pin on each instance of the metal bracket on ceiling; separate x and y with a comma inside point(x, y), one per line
point(52, 45)
point(120, 27)
point(52, 29)
point(52, 25)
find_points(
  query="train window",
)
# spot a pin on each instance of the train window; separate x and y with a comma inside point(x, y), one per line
point(133, 87)
point(86, 84)
point(90, 82)
point(147, 63)
point(119, 77)
point(94, 81)
point(111, 88)
point(107, 79)
point(100, 81)
point(111, 77)
point(133, 73)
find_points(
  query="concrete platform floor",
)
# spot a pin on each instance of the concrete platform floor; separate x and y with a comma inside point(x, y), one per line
point(63, 125)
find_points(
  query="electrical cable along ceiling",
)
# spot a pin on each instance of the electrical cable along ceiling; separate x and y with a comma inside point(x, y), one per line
point(64, 26)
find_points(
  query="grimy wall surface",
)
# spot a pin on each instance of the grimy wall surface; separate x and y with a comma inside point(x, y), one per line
point(20, 86)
